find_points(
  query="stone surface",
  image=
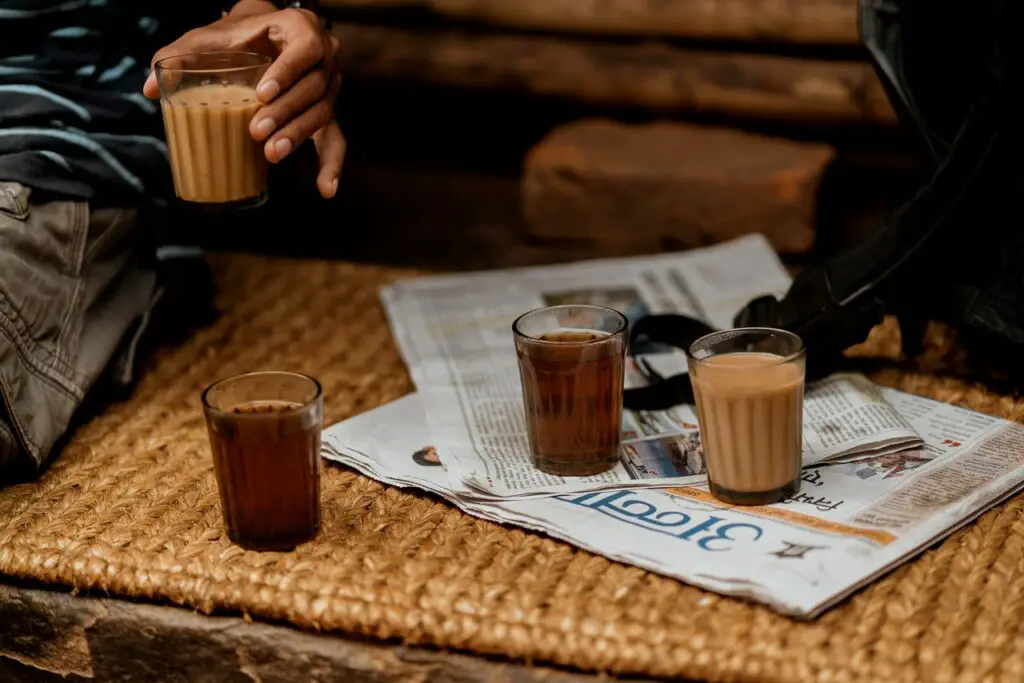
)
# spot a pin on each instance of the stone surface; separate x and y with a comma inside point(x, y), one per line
point(832, 22)
point(50, 636)
point(649, 76)
point(644, 189)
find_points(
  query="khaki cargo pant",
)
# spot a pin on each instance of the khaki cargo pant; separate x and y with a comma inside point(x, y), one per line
point(73, 302)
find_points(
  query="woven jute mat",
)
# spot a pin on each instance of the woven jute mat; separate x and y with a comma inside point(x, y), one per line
point(131, 508)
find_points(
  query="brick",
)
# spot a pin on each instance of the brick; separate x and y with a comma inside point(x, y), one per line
point(642, 189)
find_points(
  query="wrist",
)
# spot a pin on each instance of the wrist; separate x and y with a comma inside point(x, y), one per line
point(245, 8)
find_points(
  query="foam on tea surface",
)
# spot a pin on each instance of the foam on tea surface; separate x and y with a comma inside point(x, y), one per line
point(264, 407)
point(573, 336)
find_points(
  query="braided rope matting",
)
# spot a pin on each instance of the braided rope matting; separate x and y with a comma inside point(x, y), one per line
point(130, 508)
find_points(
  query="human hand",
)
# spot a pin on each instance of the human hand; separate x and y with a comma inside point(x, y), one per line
point(298, 90)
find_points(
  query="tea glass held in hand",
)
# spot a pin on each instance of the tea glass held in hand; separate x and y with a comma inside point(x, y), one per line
point(572, 366)
point(748, 384)
point(208, 101)
point(265, 436)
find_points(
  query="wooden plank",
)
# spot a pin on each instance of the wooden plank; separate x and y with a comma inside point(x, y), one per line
point(650, 76)
point(51, 636)
point(644, 189)
point(821, 22)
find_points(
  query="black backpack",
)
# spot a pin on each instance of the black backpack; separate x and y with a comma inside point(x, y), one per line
point(955, 251)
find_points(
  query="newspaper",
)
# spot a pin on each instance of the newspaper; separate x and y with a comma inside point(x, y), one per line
point(849, 523)
point(454, 332)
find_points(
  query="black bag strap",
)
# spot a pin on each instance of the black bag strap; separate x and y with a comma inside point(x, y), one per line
point(804, 310)
point(662, 393)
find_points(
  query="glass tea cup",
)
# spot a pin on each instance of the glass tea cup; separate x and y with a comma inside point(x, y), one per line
point(208, 100)
point(264, 432)
point(572, 370)
point(748, 386)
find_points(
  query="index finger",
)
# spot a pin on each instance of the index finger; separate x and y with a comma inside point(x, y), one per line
point(151, 87)
point(203, 39)
point(301, 48)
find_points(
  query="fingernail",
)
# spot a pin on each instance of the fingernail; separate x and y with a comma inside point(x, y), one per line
point(265, 126)
point(268, 90)
point(334, 186)
point(282, 147)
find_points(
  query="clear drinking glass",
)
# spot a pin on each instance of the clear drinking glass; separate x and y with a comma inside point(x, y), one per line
point(572, 367)
point(748, 386)
point(265, 436)
point(208, 100)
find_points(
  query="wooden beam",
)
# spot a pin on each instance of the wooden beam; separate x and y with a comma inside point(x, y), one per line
point(822, 22)
point(53, 636)
point(652, 76)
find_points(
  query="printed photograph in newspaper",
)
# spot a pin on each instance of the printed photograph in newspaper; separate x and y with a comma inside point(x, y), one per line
point(667, 458)
point(426, 457)
point(889, 466)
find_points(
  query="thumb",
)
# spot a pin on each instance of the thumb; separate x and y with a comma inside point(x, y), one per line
point(151, 88)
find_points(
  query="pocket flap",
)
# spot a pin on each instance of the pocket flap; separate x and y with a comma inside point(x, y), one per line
point(14, 200)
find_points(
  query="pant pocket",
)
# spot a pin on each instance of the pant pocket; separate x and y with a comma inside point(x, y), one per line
point(14, 200)
point(41, 249)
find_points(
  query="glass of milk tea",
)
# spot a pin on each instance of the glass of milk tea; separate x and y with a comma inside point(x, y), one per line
point(208, 100)
point(748, 386)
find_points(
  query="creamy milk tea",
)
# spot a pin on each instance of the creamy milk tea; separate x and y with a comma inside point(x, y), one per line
point(208, 100)
point(214, 159)
point(748, 387)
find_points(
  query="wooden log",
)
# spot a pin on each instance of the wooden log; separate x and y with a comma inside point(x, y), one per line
point(53, 637)
point(644, 189)
point(821, 22)
point(650, 76)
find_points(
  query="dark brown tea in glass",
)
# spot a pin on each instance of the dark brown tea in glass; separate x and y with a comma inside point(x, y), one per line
point(265, 436)
point(572, 366)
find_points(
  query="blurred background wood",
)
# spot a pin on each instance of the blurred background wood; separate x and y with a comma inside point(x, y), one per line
point(658, 77)
point(826, 22)
point(464, 122)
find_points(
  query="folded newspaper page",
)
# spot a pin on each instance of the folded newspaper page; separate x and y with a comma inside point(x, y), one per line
point(849, 523)
point(454, 332)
